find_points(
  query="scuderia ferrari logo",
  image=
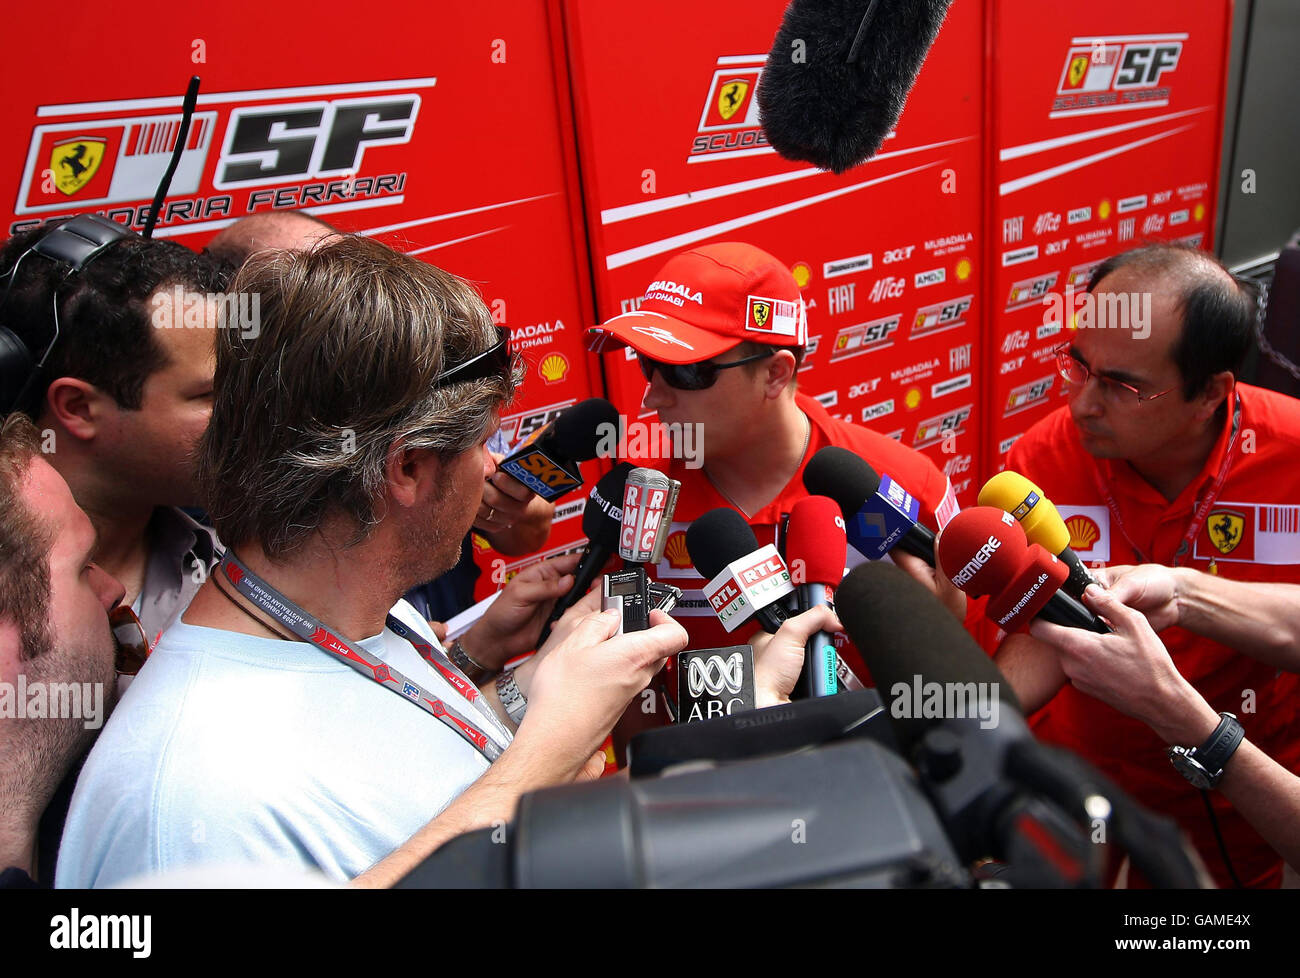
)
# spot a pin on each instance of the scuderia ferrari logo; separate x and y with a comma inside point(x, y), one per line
point(731, 97)
point(761, 312)
point(74, 161)
point(1225, 528)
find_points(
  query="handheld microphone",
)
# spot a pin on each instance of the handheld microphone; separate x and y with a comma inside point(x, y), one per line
point(1042, 523)
point(983, 551)
point(879, 514)
point(744, 579)
point(834, 106)
point(816, 547)
point(649, 501)
point(547, 462)
point(601, 520)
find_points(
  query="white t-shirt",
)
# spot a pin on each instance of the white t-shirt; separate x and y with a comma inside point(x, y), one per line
point(234, 749)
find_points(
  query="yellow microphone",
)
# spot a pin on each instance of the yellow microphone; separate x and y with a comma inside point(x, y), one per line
point(1012, 492)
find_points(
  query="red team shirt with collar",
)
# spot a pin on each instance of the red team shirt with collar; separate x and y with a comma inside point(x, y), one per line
point(913, 471)
point(1252, 533)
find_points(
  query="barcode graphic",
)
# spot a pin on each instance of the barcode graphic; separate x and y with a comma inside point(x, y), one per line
point(1280, 519)
point(160, 136)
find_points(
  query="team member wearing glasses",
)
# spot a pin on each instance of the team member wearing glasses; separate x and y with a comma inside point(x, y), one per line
point(1162, 456)
point(720, 336)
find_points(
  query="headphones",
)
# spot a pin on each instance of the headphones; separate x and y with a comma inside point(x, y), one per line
point(73, 244)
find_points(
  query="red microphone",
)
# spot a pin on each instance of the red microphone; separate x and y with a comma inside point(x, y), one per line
point(816, 548)
point(984, 551)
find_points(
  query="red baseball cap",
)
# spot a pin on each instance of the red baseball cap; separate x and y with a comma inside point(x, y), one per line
point(706, 301)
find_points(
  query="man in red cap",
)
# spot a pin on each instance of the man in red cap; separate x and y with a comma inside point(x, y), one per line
point(720, 335)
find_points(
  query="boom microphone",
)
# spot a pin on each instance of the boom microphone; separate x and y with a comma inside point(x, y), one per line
point(879, 514)
point(547, 463)
point(816, 547)
point(1042, 524)
point(838, 74)
point(983, 551)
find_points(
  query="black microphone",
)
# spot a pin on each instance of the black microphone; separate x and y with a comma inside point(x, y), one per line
point(975, 753)
point(743, 579)
point(547, 462)
point(876, 519)
point(602, 519)
point(838, 74)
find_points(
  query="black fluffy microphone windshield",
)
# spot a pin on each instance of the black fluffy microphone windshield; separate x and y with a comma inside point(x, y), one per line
point(838, 74)
point(905, 633)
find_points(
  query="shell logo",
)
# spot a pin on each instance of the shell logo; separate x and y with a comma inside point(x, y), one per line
point(1198, 212)
point(1083, 532)
point(1103, 209)
point(802, 274)
point(912, 398)
point(480, 542)
point(554, 368)
point(963, 269)
point(675, 552)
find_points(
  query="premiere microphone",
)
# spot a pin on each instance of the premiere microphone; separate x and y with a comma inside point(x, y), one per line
point(602, 518)
point(838, 74)
point(1042, 523)
point(744, 579)
point(649, 501)
point(547, 462)
point(816, 549)
point(879, 514)
point(983, 551)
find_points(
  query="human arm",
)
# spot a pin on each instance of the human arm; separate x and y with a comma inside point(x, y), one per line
point(778, 657)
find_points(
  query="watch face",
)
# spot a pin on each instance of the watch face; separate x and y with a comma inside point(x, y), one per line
point(1191, 770)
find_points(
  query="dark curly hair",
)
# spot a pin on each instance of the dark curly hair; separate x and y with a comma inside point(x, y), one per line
point(105, 334)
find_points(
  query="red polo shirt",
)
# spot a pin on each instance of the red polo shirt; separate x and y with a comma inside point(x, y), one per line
point(913, 471)
point(1251, 535)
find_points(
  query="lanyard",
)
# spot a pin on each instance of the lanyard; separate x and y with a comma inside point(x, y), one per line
point(288, 614)
point(1202, 511)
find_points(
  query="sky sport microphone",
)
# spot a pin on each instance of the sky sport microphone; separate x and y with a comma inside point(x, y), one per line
point(1041, 522)
point(838, 74)
point(649, 500)
point(983, 551)
point(879, 514)
point(547, 462)
point(744, 579)
point(816, 549)
point(602, 519)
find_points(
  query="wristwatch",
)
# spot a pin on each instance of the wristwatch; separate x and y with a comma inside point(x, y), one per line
point(511, 698)
point(476, 673)
point(1203, 766)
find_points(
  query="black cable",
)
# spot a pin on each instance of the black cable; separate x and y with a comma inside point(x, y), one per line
point(1218, 837)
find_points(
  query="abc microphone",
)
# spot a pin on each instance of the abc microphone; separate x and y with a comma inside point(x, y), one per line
point(1042, 524)
point(816, 547)
point(879, 514)
point(983, 551)
point(547, 462)
point(744, 579)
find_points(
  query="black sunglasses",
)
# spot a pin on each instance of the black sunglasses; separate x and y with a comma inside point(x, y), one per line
point(692, 376)
point(492, 362)
point(129, 639)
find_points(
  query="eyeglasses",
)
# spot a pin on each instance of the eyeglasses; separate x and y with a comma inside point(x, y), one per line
point(130, 639)
point(693, 376)
point(1076, 372)
point(491, 362)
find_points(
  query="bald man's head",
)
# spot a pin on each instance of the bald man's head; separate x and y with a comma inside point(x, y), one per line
point(1217, 310)
point(273, 231)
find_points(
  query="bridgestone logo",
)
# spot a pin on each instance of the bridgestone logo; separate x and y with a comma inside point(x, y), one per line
point(1028, 596)
point(846, 266)
point(973, 566)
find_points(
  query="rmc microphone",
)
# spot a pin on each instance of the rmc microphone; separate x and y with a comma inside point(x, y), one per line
point(816, 548)
point(879, 514)
point(983, 551)
point(547, 462)
point(1042, 523)
point(649, 501)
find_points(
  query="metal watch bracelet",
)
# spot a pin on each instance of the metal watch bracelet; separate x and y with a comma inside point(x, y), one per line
point(512, 698)
point(476, 672)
